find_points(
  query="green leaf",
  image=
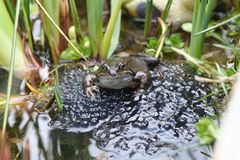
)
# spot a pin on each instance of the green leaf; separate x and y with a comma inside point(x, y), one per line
point(148, 19)
point(95, 24)
point(26, 16)
point(106, 43)
point(76, 21)
point(116, 32)
point(6, 37)
point(151, 46)
point(57, 92)
point(187, 27)
point(69, 54)
point(207, 130)
point(51, 32)
point(175, 41)
point(152, 43)
point(94, 68)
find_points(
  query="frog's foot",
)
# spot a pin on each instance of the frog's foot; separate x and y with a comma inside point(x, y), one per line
point(138, 93)
point(91, 90)
point(144, 78)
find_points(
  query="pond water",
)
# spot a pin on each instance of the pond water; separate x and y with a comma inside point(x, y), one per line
point(158, 124)
point(44, 142)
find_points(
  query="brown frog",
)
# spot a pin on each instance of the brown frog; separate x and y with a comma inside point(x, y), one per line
point(121, 71)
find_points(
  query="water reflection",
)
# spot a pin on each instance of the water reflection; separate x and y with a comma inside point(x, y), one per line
point(142, 129)
point(30, 137)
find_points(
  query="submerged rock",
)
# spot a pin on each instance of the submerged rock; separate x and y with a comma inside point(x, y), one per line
point(134, 126)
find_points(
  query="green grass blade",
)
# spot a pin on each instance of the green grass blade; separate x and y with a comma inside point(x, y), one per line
point(95, 24)
point(167, 9)
point(208, 13)
point(59, 30)
point(99, 23)
point(222, 84)
point(236, 5)
point(218, 25)
point(10, 77)
point(76, 21)
point(116, 32)
point(161, 39)
point(201, 17)
point(148, 19)
point(110, 28)
point(26, 16)
point(57, 92)
point(10, 9)
point(52, 34)
point(91, 25)
point(6, 38)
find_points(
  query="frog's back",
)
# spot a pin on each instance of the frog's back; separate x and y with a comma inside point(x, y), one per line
point(136, 64)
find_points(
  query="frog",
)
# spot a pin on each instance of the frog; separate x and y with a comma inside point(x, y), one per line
point(121, 71)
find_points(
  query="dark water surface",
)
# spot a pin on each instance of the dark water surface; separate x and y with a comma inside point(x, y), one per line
point(159, 122)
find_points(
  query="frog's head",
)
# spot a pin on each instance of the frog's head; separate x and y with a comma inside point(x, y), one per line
point(114, 70)
point(114, 76)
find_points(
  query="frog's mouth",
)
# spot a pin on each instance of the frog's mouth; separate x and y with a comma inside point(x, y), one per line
point(119, 75)
point(119, 81)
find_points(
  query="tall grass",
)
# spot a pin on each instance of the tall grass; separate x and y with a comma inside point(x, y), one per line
point(201, 16)
point(116, 32)
point(10, 9)
point(76, 20)
point(95, 24)
point(26, 15)
point(148, 18)
point(110, 29)
point(167, 9)
point(236, 5)
point(58, 29)
point(52, 34)
point(6, 38)
point(10, 77)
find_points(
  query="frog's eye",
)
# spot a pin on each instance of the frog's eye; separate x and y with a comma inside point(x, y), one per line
point(120, 66)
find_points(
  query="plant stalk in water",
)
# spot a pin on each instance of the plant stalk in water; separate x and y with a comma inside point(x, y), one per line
point(52, 34)
point(167, 9)
point(236, 5)
point(27, 22)
point(109, 31)
point(201, 16)
point(10, 77)
point(76, 20)
point(148, 19)
point(116, 32)
point(95, 24)
point(59, 30)
point(57, 92)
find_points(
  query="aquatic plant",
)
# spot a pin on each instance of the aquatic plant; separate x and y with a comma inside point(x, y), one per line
point(10, 77)
point(201, 16)
point(22, 66)
point(148, 18)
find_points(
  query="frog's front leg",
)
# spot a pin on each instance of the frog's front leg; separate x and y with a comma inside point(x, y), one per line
point(88, 85)
point(144, 78)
